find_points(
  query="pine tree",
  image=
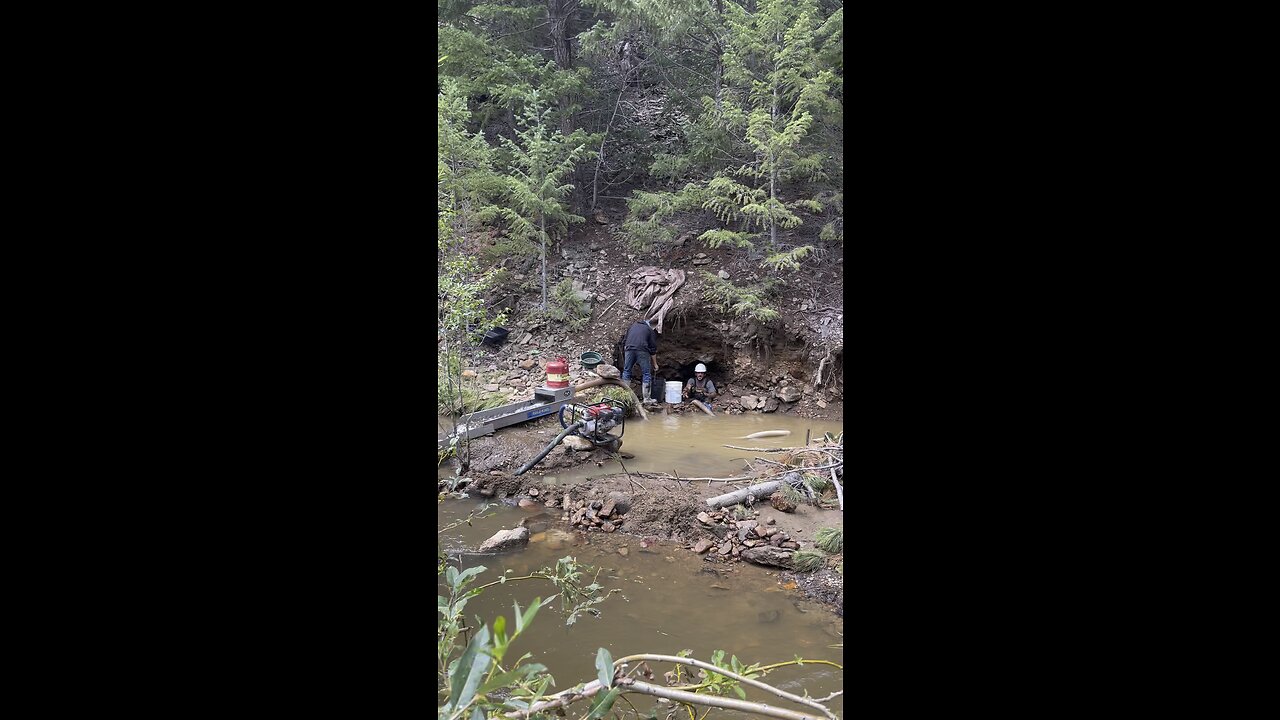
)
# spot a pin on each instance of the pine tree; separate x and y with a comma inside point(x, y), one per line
point(541, 160)
point(771, 55)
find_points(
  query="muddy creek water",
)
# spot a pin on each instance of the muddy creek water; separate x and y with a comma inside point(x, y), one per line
point(672, 602)
point(690, 444)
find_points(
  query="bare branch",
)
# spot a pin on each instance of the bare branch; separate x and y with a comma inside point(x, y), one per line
point(728, 673)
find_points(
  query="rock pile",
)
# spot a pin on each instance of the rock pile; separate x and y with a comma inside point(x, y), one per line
point(604, 515)
point(734, 537)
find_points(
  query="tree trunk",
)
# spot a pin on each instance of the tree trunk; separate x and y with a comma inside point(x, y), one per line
point(773, 170)
point(542, 225)
point(558, 15)
point(719, 56)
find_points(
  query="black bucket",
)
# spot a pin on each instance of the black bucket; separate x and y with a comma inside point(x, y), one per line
point(495, 337)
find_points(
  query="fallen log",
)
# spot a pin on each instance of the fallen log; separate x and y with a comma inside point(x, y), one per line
point(756, 491)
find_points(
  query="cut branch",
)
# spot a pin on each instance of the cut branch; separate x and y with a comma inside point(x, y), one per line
point(727, 673)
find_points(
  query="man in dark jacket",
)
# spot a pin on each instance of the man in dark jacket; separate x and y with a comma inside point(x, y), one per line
point(641, 346)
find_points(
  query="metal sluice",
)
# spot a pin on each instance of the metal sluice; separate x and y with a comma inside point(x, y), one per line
point(545, 401)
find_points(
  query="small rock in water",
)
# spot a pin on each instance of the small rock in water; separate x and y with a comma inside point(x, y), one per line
point(608, 527)
point(527, 504)
point(505, 540)
point(702, 546)
point(623, 551)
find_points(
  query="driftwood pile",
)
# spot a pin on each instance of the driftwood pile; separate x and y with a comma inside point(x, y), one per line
point(824, 458)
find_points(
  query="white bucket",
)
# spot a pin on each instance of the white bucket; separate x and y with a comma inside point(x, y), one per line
point(673, 392)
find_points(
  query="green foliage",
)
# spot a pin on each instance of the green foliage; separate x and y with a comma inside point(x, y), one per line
point(670, 167)
point(739, 512)
point(816, 482)
point(644, 228)
point(716, 238)
point(482, 667)
point(742, 302)
point(808, 560)
point(788, 260)
point(618, 396)
point(790, 493)
point(726, 198)
point(829, 539)
point(567, 308)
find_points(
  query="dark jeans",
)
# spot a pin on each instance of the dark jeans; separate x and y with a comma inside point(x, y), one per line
point(637, 356)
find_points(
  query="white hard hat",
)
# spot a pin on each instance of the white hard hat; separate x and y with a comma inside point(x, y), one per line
point(700, 368)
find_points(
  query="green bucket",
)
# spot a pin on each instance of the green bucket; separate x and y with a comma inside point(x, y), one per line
point(590, 360)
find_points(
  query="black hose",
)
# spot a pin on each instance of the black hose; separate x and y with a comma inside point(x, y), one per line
point(548, 448)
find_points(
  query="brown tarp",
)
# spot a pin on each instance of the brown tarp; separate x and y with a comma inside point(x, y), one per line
point(651, 289)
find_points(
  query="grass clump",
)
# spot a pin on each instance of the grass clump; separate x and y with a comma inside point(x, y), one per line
point(808, 560)
point(817, 483)
point(829, 539)
point(739, 512)
point(618, 396)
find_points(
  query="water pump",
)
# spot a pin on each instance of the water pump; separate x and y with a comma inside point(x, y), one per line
point(595, 421)
point(592, 422)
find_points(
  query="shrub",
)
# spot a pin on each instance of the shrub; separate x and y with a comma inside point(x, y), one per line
point(566, 307)
point(808, 560)
point(830, 539)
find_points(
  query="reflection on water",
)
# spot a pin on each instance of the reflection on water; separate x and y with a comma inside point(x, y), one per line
point(672, 602)
point(692, 444)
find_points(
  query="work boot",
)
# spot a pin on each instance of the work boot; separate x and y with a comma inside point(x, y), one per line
point(644, 393)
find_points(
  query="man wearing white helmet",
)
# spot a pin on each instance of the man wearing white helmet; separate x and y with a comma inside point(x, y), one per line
point(699, 387)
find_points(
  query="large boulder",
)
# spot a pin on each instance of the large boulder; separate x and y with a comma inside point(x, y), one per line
point(506, 540)
point(769, 555)
point(788, 394)
point(748, 402)
point(577, 442)
point(621, 501)
point(608, 371)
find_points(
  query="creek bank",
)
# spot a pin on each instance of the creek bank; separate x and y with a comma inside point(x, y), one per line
point(658, 509)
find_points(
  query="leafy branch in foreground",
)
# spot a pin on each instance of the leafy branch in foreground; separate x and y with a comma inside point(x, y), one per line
point(477, 685)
